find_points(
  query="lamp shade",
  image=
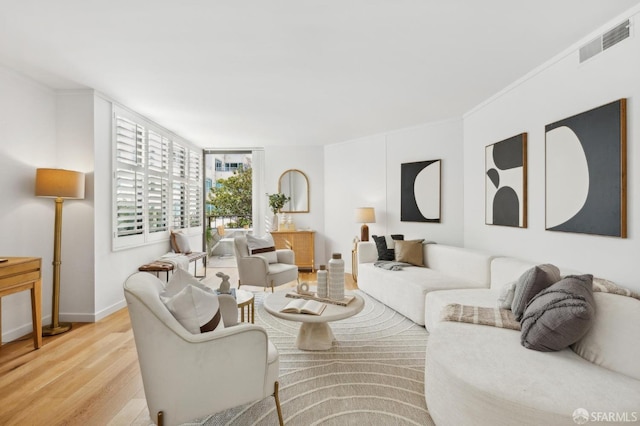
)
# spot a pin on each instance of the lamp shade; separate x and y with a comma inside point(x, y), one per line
point(365, 215)
point(59, 183)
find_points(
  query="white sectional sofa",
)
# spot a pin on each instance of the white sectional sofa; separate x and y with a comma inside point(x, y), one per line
point(482, 375)
point(447, 267)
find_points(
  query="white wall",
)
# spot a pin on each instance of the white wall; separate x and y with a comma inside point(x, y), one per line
point(559, 89)
point(27, 141)
point(366, 172)
point(74, 136)
point(309, 160)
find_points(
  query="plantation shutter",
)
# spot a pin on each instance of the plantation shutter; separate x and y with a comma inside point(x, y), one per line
point(158, 152)
point(179, 161)
point(129, 202)
point(195, 188)
point(158, 203)
point(156, 182)
point(179, 204)
point(129, 142)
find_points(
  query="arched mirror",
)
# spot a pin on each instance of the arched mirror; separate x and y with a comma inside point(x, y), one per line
point(294, 184)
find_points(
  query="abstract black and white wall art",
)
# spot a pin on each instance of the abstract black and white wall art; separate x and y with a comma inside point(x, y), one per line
point(420, 191)
point(586, 172)
point(506, 182)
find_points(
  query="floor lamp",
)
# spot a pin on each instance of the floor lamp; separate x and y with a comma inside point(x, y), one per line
point(58, 184)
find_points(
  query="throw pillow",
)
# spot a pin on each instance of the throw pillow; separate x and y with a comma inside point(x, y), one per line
point(410, 251)
point(532, 282)
point(264, 247)
point(560, 315)
point(180, 243)
point(506, 295)
point(385, 246)
point(194, 305)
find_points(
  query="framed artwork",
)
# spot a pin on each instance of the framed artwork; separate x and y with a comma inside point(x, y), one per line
point(585, 168)
point(506, 182)
point(420, 191)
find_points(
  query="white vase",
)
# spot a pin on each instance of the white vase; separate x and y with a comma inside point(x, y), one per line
point(274, 222)
point(336, 277)
point(322, 282)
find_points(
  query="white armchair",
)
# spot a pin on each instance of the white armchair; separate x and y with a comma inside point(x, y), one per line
point(187, 376)
point(256, 270)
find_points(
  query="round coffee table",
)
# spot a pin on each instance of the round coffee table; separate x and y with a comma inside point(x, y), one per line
point(315, 333)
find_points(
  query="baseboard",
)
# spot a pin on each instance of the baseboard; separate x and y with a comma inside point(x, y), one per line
point(21, 331)
point(110, 310)
point(27, 328)
point(76, 317)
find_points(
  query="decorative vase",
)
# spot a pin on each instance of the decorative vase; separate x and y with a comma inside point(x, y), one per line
point(336, 277)
point(322, 282)
point(274, 222)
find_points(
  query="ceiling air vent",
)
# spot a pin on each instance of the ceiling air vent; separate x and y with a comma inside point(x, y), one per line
point(605, 41)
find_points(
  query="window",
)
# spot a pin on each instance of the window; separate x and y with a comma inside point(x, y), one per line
point(157, 182)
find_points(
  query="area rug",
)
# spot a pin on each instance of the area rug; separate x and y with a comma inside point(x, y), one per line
point(373, 375)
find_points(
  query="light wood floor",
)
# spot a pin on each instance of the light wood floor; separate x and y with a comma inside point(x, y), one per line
point(87, 376)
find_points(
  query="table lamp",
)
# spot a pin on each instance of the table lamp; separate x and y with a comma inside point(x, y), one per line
point(365, 215)
point(58, 184)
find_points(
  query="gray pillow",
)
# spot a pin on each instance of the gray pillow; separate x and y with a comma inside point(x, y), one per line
point(532, 282)
point(560, 315)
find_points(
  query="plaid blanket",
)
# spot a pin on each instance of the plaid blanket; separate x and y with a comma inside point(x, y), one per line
point(494, 317)
point(606, 286)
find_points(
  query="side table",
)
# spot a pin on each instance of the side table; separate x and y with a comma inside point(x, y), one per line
point(157, 267)
point(246, 300)
point(19, 274)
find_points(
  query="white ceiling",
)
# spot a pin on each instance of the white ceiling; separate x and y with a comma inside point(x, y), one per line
point(291, 72)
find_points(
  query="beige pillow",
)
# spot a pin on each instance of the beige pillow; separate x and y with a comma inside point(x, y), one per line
point(180, 243)
point(409, 251)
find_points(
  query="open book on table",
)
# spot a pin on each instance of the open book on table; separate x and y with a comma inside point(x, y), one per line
point(302, 306)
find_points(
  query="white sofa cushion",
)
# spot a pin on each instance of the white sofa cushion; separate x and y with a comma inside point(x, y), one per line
point(483, 373)
point(404, 291)
point(613, 341)
point(458, 262)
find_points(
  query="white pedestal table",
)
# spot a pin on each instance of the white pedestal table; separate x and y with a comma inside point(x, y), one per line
point(315, 333)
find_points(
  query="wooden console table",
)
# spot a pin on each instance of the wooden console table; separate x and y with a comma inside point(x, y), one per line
point(19, 274)
point(301, 242)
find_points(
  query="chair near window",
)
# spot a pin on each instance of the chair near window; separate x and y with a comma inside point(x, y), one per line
point(257, 271)
point(225, 242)
point(188, 376)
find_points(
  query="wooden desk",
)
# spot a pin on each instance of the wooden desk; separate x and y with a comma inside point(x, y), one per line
point(19, 274)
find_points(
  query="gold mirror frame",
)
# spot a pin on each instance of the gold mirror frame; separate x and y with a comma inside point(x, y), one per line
point(295, 184)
